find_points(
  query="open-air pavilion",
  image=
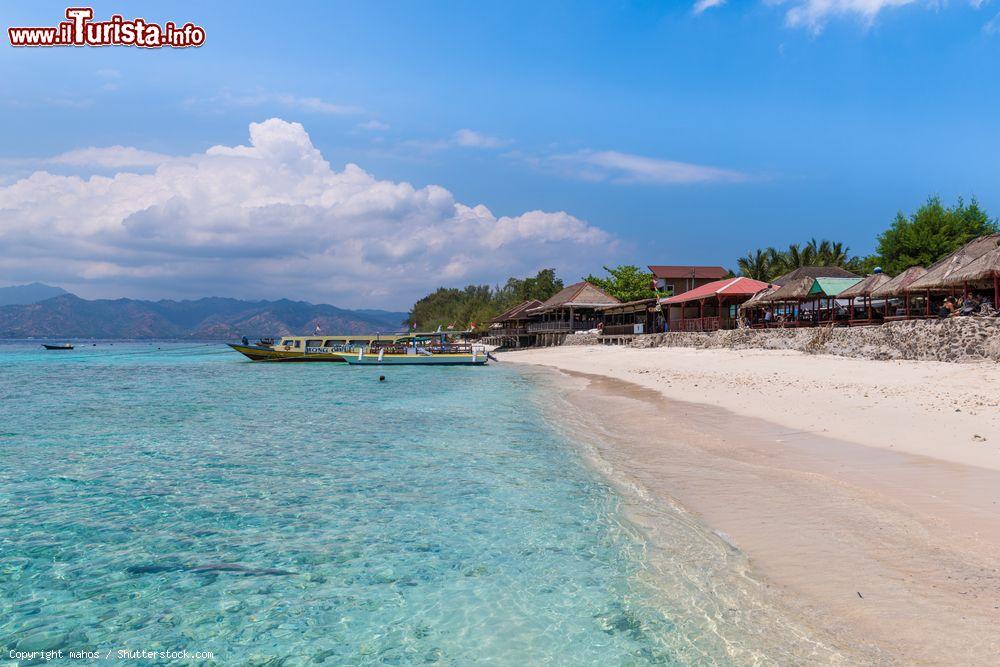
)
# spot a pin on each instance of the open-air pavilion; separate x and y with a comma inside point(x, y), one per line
point(944, 278)
point(710, 307)
point(864, 312)
point(895, 298)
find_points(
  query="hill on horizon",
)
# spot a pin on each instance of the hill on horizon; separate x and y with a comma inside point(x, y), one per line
point(30, 293)
point(69, 316)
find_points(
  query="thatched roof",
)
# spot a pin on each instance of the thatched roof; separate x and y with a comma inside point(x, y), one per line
point(939, 276)
point(792, 291)
point(866, 286)
point(760, 297)
point(638, 304)
point(978, 270)
point(813, 272)
point(518, 311)
point(898, 284)
point(578, 295)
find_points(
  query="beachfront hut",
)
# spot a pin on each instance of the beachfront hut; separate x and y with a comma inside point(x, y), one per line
point(981, 275)
point(895, 290)
point(572, 309)
point(752, 310)
point(510, 328)
point(807, 301)
point(710, 307)
point(939, 279)
point(621, 321)
point(784, 301)
point(863, 290)
point(813, 272)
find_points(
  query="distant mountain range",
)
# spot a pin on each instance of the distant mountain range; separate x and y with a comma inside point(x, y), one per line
point(32, 293)
point(69, 316)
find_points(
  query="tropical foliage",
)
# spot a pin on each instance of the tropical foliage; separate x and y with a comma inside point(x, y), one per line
point(626, 283)
point(475, 305)
point(931, 233)
point(769, 263)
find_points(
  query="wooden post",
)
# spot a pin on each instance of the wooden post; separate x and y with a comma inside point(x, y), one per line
point(996, 290)
point(927, 306)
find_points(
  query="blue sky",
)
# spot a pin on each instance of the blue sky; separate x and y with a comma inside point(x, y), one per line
point(638, 132)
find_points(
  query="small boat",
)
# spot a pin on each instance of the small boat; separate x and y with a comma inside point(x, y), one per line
point(61, 346)
point(433, 349)
point(309, 348)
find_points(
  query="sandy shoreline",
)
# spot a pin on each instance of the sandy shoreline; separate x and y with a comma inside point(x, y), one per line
point(868, 502)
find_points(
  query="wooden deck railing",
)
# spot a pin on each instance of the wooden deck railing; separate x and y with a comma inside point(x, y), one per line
point(559, 327)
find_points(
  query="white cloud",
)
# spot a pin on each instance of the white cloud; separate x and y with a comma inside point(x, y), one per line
point(374, 125)
point(270, 219)
point(111, 157)
point(992, 27)
point(467, 138)
point(228, 98)
point(621, 167)
point(702, 5)
point(815, 14)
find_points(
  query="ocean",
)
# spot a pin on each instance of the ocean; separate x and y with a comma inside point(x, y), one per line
point(176, 497)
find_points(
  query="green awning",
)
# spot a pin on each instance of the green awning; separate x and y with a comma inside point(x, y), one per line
point(832, 286)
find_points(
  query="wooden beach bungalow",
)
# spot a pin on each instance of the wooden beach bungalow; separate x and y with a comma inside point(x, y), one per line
point(940, 280)
point(510, 328)
point(864, 313)
point(980, 277)
point(620, 322)
point(785, 306)
point(575, 308)
point(894, 296)
point(710, 307)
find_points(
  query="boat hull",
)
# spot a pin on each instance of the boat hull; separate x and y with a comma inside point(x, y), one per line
point(415, 360)
point(258, 353)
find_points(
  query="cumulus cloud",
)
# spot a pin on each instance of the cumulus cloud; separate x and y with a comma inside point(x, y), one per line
point(621, 167)
point(270, 219)
point(471, 139)
point(111, 157)
point(702, 5)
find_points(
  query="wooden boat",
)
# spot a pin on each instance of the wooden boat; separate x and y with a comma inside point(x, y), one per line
point(419, 350)
point(308, 348)
point(61, 346)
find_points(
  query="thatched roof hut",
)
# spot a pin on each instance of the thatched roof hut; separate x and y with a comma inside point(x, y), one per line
point(940, 275)
point(813, 272)
point(795, 290)
point(518, 312)
point(760, 298)
point(980, 271)
point(865, 287)
point(898, 285)
point(577, 295)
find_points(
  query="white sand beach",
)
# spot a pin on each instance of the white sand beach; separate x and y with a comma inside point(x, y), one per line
point(865, 493)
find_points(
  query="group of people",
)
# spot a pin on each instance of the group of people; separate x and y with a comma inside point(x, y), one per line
point(967, 304)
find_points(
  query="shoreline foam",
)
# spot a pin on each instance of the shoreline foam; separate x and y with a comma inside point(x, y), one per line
point(887, 555)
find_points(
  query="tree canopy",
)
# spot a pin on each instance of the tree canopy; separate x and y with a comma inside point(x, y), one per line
point(768, 263)
point(475, 305)
point(626, 283)
point(931, 233)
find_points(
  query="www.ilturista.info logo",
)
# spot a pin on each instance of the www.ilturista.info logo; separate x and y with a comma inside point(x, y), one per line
point(81, 30)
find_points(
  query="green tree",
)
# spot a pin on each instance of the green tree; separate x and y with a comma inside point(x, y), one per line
point(756, 264)
point(478, 304)
point(931, 233)
point(626, 283)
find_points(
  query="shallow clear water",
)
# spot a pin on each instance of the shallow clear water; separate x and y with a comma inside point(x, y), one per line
point(183, 498)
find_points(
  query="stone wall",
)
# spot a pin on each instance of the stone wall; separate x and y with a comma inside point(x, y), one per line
point(581, 338)
point(957, 339)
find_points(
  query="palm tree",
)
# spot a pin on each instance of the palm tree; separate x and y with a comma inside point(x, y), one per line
point(756, 264)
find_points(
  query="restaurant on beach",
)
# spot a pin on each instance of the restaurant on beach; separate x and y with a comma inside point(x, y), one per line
point(711, 306)
point(572, 309)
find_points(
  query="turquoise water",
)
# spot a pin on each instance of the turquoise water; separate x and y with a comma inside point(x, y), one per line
point(183, 498)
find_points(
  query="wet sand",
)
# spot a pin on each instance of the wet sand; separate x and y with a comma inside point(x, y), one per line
point(885, 555)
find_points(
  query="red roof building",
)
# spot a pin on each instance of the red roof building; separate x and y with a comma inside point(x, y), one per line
point(710, 306)
point(679, 279)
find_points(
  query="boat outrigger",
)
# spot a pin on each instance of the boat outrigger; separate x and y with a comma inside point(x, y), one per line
point(436, 348)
